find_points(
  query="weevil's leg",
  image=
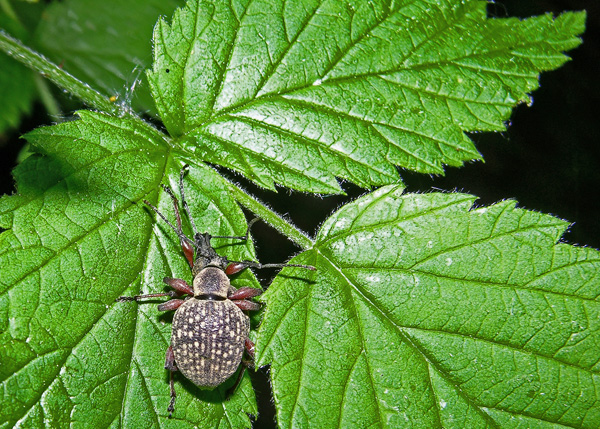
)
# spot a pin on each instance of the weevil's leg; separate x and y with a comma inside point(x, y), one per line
point(237, 266)
point(188, 250)
point(172, 367)
point(239, 237)
point(244, 293)
point(179, 285)
point(233, 388)
point(171, 406)
point(170, 360)
point(247, 305)
point(249, 346)
point(172, 294)
point(173, 304)
point(238, 297)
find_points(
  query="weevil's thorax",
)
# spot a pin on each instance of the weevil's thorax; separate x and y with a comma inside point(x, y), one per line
point(211, 283)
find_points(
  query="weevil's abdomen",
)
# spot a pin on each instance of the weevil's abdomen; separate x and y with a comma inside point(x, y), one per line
point(208, 340)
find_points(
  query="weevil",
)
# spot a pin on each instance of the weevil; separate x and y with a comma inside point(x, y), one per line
point(210, 328)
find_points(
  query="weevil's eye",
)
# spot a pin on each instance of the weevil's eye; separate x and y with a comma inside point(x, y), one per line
point(235, 267)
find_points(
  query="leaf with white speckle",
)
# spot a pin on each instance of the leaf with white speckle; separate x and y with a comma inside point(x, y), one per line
point(425, 312)
point(299, 93)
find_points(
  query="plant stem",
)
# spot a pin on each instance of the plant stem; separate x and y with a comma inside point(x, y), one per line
point(63, 79)
point(270, 217)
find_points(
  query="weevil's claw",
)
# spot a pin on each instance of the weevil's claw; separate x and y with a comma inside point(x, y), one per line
point(171, 407)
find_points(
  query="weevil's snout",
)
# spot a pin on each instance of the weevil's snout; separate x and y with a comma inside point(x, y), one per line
point(211, 282)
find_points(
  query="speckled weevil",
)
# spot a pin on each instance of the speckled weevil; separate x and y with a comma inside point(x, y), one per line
point(210, 330)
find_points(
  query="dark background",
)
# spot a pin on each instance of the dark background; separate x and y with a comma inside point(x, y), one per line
point(547, 159)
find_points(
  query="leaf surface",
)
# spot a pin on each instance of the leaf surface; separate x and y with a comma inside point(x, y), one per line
point(426, 312)
point(299, 93)
point(80, 236)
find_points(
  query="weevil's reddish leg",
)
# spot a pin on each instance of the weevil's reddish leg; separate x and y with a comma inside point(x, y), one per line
point(244, 293)
point(239, 298)
point(173, 304)
point(179, 285)
point(242, 304)
point(172, 367)
point(235, 267)
point(249, 346)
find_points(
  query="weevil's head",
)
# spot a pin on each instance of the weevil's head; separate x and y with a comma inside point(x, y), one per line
point(206, 255)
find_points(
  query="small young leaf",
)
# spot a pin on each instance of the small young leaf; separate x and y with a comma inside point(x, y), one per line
point(105, 44)
point(299, 93)
point(78, 237)
point(427, 313)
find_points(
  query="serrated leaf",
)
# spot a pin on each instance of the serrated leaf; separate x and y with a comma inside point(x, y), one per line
point(426, 312)
point(79, 236)
point(299, 93)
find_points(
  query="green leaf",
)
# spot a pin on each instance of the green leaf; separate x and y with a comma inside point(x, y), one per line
point(78, 237)
point(105, 44)
point(301, 93)
point(426, 312)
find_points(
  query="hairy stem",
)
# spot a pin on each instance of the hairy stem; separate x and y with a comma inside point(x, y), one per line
point(60, 77)
point(269, 216)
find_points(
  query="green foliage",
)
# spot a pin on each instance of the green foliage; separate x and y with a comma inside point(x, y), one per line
point(427, 309)
point(301, 95)
point(423, 311)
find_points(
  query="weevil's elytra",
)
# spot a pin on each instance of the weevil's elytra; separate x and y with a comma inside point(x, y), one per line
point(210, 329)
point(208, 340)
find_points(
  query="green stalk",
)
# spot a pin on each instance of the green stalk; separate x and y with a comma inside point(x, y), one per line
point(270, 217)
point(48, 69)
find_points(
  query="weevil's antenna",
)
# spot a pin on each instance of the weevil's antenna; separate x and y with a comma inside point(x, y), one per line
point(183, 201)
point(178, 231)
point(239, 237)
